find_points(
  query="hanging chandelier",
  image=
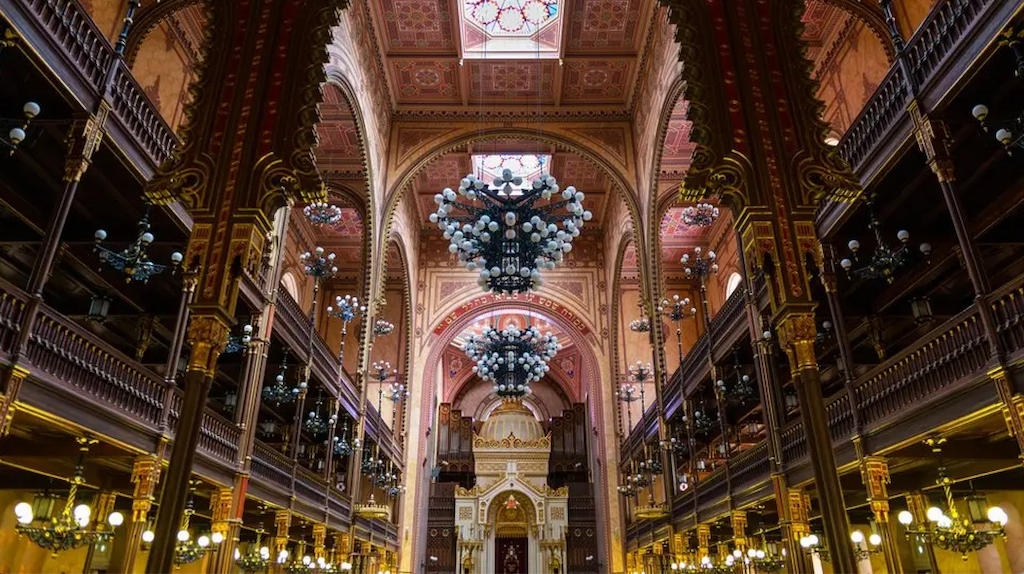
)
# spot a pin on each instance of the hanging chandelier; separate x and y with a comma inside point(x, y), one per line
point(504, 234)
point(280, 393)
point(382, 328)
point(317, 424)
point(396, 392)
point(70, 529)
point(372, 510)
point(884, 261)
point(322, 213)
point(257, 559)
point(133, 261)
point(643, 323)
point(700, 266)
point(317, 265)
point(700, 215)
point(640, 373)
point(949, 530)
point(512, 358)
point(189, 549)
point(238, 343)
point(342, 445)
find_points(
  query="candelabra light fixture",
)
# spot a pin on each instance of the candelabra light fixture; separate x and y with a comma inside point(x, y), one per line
point(382, 328)
point(766, 560)
point(677, 310)
point(317, 265)
point(862, 551)
point(884, 261)
point(700, 215)
point(511, 359)
point(510, 235)
point(1009, 132)
point(343, 445)
point(949, 530)
point(345, 308)
point(698, 265)
point(69, 529)
point(322, 213)
point(189, 548)
point(17, 129)
point(133, 261)
point(642, 324)
point(280, 393)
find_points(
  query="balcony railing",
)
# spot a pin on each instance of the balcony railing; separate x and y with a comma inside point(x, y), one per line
point(952, 357)
point(63, 34)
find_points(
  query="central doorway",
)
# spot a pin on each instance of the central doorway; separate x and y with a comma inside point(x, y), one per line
point(511, 555)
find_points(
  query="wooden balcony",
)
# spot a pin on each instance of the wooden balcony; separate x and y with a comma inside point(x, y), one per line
point(77, 377)
point(74, 50)
point(942, 377)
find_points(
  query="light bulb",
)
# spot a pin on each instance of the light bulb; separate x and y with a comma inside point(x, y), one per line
point(115, 519)
point(737, 553)
point(905, 517)
point(148, 536)
point(238, 554)
point(875, 539)
point(203, 541)
point(217, 537)
point(23, 509)
point(980, 112)
point(997, 515)
point(857, 536)
point(30, 109)
point(1004, 136)
point(16, 135)
point(82, 510)
point(183, 536)
point(934, 514)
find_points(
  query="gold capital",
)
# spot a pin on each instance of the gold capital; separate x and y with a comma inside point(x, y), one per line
point(208, 336)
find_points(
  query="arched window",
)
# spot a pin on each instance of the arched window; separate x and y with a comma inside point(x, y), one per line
point(288, 280)
point(734, 281)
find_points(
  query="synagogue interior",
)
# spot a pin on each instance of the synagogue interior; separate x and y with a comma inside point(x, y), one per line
point(512, 286)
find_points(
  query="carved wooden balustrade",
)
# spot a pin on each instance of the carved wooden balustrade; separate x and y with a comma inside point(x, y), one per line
point(893, 399)
point(66, 39)
point(76, 376)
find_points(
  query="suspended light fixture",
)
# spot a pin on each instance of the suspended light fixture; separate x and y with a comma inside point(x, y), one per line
point(372, 510)
point(99, 308)
point(345, 308)
point(700, 215)
point(677, 310)
point(133, 261)
point(1011, 38)
point(317, 265)
point(280, 393)
point(884, 261)
point(343, 446)
point(189, 548)
point(257, 559)
point(512, 358)
point(643, 323)
point(322, 213)
point(382, 328)
point(70, 529)
point(316, 424)
point(17, 131)
point(949, 530)
point(505, 235)
point(240, 342)
point(698, 265)
point(865, 546)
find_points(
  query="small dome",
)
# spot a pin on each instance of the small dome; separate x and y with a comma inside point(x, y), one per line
point(511, 418)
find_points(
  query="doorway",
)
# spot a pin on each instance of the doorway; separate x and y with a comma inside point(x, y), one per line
point(511, 555)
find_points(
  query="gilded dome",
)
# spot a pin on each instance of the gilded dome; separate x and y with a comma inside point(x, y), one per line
point(511, 417)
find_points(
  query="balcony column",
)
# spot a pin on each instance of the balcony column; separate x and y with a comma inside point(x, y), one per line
point(875, 473)
point(917, 504)
point(703, 541)
point(319, 541)
point(145, 476)
point(282, 524)
point(738, 519)
point(102, 508)
point(207, 335)
point(83, 140)
point(227, 504)
point(796, 335)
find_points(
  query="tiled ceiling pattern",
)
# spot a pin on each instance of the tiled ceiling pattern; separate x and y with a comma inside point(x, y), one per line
point(589, 54)
point(822, 25)
point(340, 150)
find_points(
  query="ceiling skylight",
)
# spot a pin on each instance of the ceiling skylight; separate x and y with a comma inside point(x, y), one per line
point(510, 28)
point(527, 166)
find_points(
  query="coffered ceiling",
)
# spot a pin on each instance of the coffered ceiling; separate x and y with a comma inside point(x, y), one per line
point(444, 54)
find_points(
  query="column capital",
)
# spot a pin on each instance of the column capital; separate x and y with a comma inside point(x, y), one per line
point(797, 332)
point(82, 141)
point(208, 335)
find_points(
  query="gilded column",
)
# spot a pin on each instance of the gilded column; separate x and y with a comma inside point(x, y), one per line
point(225, 506)
point(798, 509)
point(145, 476)
point(739, 529)
point(917, 505)
point(703, 541)
point(875, 473)
point(320, 541)
point(282, 524)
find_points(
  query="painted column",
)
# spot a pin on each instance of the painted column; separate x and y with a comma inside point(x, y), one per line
point(875, 472)
point(917, 504)
point(282, 524)
point(145, 476)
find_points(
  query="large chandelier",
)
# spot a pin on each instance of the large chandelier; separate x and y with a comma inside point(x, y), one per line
point(504, 234)
point(322, 213)
point(343, 446)
point(512, 359)
point(70, 529)
point(281, 393)
point(884, 261)
point(316, 423)
point(949, 530)
point(700, 215)
point(133, 261)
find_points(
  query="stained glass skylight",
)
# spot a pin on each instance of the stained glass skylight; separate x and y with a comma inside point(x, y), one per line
point(527, 166)
point(510, 28)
